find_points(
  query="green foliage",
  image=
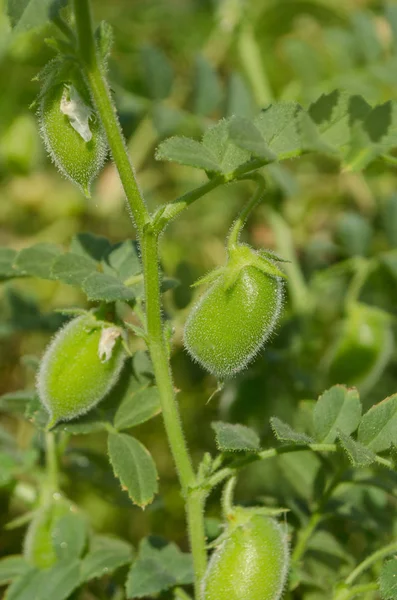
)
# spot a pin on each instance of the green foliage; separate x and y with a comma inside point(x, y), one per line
point(323, 78)
point(157, 569)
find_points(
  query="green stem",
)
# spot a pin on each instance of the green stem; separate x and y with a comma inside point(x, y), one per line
point(103, 102)
point(370, 560)
point(194, 497)
point(227, 497)
point(242, 217)
point(158, 351)
point(229, 471)
point(355, 591)
point(300, 294)
point(52, 483)
point(251, 58)
point(363, 267)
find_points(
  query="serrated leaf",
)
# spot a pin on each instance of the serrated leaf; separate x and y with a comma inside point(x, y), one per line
point(31, 14)
point(37, 260)
point(12, 567)
point(58, 582)
point(147, 577)
point(388, 580)
point(124, 261)
point(285, 433)
point(157, 71)
point(134, 466)
point(359, 455)
point(105, 556)
point(378, 427)
point(73, 268)
point(186, 151)
point(91, 246)
point(69, 537)
point(339, 408)
point(138, 408)
point(232, 438)
point(158, 569)
point(207, 92)
point(244, 133)
point(335, 113)
point(227, 155)
point(279, 129)
point(106, 288)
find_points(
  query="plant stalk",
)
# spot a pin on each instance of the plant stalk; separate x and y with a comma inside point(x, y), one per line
point(194, 498)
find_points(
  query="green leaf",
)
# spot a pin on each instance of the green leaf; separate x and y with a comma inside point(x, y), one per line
point(106, 288)
point(186, 151)
point(378, 427)
point(335, 113)
point(232, 438)
point(105, 556)
point(15, 402)
point(73, 268)
point(138, 408)
point(91, 246)
point(207, 92)
point(239, 98)
point(244, 133)
point(157, 570)
point(7, 269)
point(69, 537)
point(124, 261)
point(12, 567)
point(279, 128)
point(359, 455)
point(227, 155)
point(134, 466)
point(58, 582)
point(368, 43)
point(339, 408)
point(157, 71)
point(285, 433)
point(30, 14)
point(147, 577)
point(388, 580)
point(37, 260)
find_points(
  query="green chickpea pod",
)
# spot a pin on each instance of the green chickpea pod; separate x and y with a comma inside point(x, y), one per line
point(80, 366)
point(251, 563)
point(237, 314)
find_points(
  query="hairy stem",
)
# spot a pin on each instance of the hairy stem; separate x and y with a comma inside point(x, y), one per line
point(159, 354)
point(103, 102)
point(243, 216)
point(194, 497)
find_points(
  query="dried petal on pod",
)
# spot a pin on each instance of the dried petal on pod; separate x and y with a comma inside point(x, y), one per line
point(72, 134)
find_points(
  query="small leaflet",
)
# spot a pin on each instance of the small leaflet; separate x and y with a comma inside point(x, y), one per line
point(73, 107)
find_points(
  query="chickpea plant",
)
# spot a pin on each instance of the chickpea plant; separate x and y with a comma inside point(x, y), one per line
point(88, 366)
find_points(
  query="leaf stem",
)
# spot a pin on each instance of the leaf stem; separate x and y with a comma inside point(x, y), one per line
point(230, 470)
point(357, 590)
point(370, 560)
point(242, 217)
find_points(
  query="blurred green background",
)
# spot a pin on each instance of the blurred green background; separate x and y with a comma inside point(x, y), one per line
point(176, 67)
